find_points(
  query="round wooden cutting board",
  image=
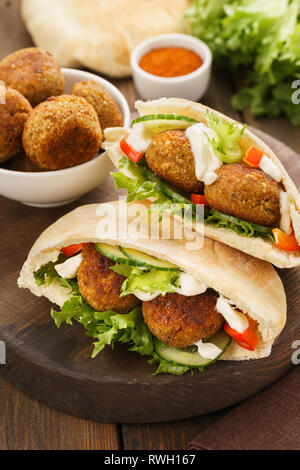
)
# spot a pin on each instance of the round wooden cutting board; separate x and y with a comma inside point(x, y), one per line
point(55, 367)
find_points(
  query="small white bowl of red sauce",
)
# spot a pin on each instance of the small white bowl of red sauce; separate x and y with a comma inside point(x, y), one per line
point(171, 65)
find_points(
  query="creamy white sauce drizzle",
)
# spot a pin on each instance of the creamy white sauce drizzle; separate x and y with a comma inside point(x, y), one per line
point(206, 162)
point(208, 350)
point(285, 217)
point(188, 286)
point(236, 320)
point(145, 296)
point(138, 138)
point(69, 269)
point(268, 167)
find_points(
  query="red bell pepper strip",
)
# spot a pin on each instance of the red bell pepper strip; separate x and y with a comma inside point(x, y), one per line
point(199, 199)
point(253, 157)
point(129, 151)
point(248, 339)
point(72, 249)
point(284, 241)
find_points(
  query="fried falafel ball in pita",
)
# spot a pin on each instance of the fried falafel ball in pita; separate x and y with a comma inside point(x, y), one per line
point(62, 132)
point(181, 321)
point(171, 158)
point(100, 286)
point(247, 193)
point(34, 73)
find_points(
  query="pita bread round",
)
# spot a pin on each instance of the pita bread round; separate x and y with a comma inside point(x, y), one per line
point(257, 247)
point(253, 285)
point(99, 34)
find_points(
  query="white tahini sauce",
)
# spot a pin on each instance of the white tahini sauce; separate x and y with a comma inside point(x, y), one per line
point(188, 286)
point(208, 350)
point(268, 167)
point(236, 320)
point(145, 296)
point(138, 138)
point(206, 162)
point(69, 269)
point(285, 217)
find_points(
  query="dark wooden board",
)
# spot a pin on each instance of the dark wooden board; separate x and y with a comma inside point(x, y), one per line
point(54, 365)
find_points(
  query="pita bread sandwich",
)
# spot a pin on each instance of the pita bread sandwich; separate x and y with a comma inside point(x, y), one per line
point(182, 309)
point(182, 153)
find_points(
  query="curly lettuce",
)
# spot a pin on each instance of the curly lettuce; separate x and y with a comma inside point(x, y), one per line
point(48, 273)
point(260, 35)
point(164, 202)
point(226, 147)
point(147, 281)
point(239, 226)
point(108, 328)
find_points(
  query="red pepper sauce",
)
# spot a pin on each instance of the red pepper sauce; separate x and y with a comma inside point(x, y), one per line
point(170, 62)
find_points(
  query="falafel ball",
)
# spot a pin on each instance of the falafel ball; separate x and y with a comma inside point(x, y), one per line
point(14, 112)
point(181, 321)
point(34, 73)
point(170, 156)
point(100, 286)
point(108, 111)
point(62, 132)
point(245, 192)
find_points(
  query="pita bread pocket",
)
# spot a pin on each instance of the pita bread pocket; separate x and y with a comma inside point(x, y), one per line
point(179, 150)
point(243, 283)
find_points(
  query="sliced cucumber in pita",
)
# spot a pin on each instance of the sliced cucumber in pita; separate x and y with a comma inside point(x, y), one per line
point(143, 260)
point(156, 123)
point(192, 358)
point(113, 253)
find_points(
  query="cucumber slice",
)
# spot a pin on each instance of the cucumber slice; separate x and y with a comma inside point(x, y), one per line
point(156, 127)
point(156, 123)
point(168, 117)
point(166, 188)
point(192, 359)
point(113, 253)
point(147, 261)
point(171, 192)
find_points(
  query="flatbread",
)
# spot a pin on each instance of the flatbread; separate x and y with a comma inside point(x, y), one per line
point(253, 285)
point(257, 247)
point(99, 34)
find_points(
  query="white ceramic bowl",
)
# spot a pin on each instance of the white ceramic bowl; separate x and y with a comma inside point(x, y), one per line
point(56, 188)
point(192, 86)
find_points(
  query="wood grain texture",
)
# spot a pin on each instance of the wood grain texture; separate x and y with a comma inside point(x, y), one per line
point(28, 424)
point(13, 36)
point(167, 436)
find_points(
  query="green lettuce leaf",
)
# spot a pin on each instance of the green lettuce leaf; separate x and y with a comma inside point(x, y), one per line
point(166, 367)
point(108, 328)
point(261, 35)
point(147, 281)
point(138, 186)
point(227, 148)
point(48, 273)
point(241, 227)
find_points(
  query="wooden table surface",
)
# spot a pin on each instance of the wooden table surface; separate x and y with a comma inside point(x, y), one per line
point(26, 423)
